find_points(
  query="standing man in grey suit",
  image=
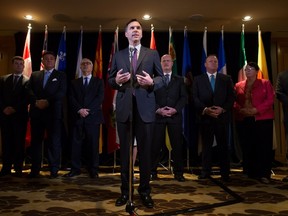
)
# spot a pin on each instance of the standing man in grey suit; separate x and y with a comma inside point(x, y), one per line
point(14, 117)
point(47, 89)
point(170, 101)
point(85, 96)
point(136, 81)
point(282, 96)
point(213, 95)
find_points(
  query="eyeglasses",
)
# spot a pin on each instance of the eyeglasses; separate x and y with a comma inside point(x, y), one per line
point(85, 63)
point(249, 68)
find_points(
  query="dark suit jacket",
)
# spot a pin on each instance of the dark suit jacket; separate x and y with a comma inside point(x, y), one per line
point(90, 98)
point(282, 92)
point(16, 98)
point(148, 61)
point(54, 92)
point(174, 95)
point(222, 96)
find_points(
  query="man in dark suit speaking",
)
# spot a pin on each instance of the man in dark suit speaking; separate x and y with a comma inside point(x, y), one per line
point(47, 89)
point(136, 73)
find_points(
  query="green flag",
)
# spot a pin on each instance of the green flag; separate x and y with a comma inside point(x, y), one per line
point(172, 51)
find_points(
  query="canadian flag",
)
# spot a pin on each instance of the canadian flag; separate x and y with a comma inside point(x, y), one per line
point(27, 55)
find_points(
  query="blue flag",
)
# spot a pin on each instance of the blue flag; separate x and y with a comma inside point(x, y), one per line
point(187, 75)
point(221, 55)
point(61, 55)
point(79, 57)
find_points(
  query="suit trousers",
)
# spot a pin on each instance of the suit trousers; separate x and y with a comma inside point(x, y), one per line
point(48, 131)
point(176, 140)
point(143, 132)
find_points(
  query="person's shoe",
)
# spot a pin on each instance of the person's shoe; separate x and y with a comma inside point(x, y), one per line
point(147, 200)
point(72, 173)
point(203, 176)
point(33, 174)
point(122, 200)
point(53, 175)
point(225, 179)
point(285, 179)
point(93, 175)
point(5, 173)
point(264, 180)
point(153, 176)
point(18, 173)
point(179, 178)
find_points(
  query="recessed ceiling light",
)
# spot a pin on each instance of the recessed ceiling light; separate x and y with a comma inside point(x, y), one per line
point(247, 18)
point(28, 17)
point(146, 17)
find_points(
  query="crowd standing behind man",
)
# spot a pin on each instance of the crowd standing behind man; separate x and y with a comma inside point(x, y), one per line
point(136, 73)
point(85, 96)
point(282, 96)
point(47, 89)
point(170, 101)
point(13, 117)
point(254, 116)
point(213, 96)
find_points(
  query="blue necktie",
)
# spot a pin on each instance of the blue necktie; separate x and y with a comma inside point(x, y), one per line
point(46, 77)
point(212, 81)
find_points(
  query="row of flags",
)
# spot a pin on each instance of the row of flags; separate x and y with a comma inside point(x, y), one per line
point(110, 93)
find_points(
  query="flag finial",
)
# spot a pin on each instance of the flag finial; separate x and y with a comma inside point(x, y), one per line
point(243, 26)
point(152, 27)
point(259, 28)
point(29, 26)
point(205, 28)
point(222, 27)
point(46, 28)
point(100, 27)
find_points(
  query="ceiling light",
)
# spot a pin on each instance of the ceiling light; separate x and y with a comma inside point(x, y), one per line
point(247, 18)
point(28, 17)
point(146, 17)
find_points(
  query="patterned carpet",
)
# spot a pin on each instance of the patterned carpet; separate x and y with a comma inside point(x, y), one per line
point(82, 196)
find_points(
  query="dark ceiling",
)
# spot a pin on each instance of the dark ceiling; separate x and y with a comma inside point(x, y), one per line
point(271, 15)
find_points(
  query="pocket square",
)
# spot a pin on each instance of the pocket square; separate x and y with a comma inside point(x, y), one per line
point(55, 79)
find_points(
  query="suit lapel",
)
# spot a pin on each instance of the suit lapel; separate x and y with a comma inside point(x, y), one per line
point(142, 53)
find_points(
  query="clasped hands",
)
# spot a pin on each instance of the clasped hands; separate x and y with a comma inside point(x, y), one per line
point(84, 112)
point(42, 104)
point(166, 111)
point(214, 111)
point(143, 79)
point(248, 111)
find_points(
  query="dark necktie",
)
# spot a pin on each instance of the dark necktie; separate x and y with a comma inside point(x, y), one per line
point(134, 60)
point(212, 81)
point(86, 82)
point(15, 80)
point(167, 79)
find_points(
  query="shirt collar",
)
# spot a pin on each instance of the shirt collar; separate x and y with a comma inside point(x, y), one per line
point(89, 76)
point(209, 74)
point(138, 47)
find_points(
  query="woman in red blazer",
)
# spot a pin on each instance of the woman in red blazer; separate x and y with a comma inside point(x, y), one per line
point(254, 116)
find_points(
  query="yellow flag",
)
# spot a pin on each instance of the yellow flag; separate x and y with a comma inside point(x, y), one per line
point(100, 140)
point(167, 140)
point(263, 73)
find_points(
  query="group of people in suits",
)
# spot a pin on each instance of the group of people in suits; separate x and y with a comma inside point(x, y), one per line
point(44, 92)
point(149, 102)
